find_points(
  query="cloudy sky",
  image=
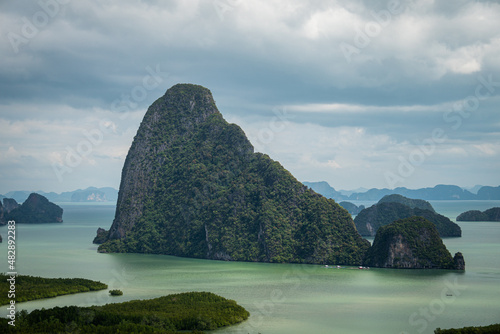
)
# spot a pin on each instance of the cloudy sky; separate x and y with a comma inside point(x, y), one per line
point(356, 93)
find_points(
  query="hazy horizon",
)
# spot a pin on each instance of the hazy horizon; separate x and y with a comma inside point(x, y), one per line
point(360, 189)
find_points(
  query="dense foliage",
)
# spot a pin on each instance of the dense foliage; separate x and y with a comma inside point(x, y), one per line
point(492, 215)
point(36, 210)
point(31, 287)
point(193, 311)
point(409, 243)
point(192, 186)
point(116, 292)
point(369, 220)
point(491, 329)
point(412, 203)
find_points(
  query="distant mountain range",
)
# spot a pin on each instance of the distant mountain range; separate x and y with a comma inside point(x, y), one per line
point(439, 192)
point(91, 194)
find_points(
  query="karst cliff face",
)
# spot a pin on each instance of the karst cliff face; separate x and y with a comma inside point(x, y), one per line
point(192, 186)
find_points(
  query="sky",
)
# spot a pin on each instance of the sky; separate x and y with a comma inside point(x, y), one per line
point(358, 93)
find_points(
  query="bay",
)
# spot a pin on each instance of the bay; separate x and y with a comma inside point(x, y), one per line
point(282, 298)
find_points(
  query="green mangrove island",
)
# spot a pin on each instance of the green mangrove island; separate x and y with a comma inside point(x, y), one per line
point(31, 288)
point(191, 311)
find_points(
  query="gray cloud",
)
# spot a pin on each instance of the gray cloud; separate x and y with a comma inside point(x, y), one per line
point(82, 61)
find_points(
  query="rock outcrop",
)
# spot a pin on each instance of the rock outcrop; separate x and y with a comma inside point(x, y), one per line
point(369, 220)
point(9, 204)
point(492, 215)
point(192, 186)
point(412, 203)
point(459, 261)
point(411, 243)
point(89, 196)
point(102, 236)
point(36, 210)
point(352, 208)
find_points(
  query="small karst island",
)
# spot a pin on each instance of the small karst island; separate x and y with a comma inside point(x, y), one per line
point(192, 186)
point(491, 215)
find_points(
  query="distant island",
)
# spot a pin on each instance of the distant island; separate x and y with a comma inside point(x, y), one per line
point(491, 215)
point(439, 192)
point(192, 186)
point(353, 209)
point(395, 207)
point(35, 210)
point(411, 243)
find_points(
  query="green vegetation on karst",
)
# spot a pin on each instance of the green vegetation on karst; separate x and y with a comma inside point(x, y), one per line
point(192, 186)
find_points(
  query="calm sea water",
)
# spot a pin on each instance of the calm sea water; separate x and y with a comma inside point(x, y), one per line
point(281, 298)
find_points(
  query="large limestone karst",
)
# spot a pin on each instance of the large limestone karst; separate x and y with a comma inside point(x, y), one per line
point(192, 186)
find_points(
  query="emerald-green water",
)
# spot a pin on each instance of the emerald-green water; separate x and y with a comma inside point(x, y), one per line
point(281, 298)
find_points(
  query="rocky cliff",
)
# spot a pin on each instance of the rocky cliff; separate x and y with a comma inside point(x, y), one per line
point(411, 243)
point(9, 204)
point(89, 196)
point(192, 186)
